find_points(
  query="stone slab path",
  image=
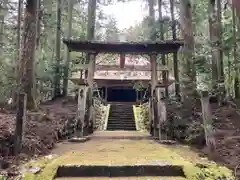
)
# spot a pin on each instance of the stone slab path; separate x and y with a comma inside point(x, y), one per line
point(123, 148)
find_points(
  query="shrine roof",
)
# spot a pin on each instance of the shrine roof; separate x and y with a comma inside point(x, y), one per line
point(146, 47)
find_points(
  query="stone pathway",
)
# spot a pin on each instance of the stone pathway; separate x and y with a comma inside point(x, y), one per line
point(124, 148)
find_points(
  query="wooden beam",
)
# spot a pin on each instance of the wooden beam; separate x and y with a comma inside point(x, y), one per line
point(117, 82)
point(123, 47)
point(130, 68)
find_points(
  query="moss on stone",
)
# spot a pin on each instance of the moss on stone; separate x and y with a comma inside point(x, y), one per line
point(141, 117)
point(132, 152)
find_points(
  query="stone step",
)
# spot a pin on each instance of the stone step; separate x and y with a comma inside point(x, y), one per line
point(117, 122)
point(122, 116)
point(125, 178)
point(121, 122)
point(121, 129)
point(121, 119)
point(117, 111)
point(121, 107)
point(127, 112)
point(121, 125)
point(119, 171)
point(122, 112)
point(121, 104)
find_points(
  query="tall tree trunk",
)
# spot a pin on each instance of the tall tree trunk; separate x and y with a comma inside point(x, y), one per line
point(175, 59)
point(220, 48)
point(165, 74)
point(187, 70)
point(37, 40)
point(1, 31)
point(57, 78)
point(27, 53)
point(18, 52)
point(236, 78)
point(67, 58)
point(151, 21)
point(237, 71)
point(18, 44)
point(91, 26)
point(3, 10)
point(215, 40)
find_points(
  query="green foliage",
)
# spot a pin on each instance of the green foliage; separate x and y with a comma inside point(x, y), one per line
point(138, 86)
point(45, 53)
point(3, 177)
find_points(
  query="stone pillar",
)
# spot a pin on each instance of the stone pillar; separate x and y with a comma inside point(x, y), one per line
point(90, 80)
point(154, 120)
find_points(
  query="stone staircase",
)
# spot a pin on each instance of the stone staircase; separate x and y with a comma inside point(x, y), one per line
point(121, 117)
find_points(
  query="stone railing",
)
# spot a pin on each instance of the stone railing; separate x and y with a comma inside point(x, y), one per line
point(101, 114)
point(141, 116)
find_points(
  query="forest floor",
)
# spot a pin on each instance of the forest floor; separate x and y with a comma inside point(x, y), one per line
point(227, 126)
point(43, 133)
point(43, 129)
point(226, 122)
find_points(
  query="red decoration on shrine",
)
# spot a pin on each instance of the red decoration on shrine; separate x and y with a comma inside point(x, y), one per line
point(235, 3)
point(122, 60)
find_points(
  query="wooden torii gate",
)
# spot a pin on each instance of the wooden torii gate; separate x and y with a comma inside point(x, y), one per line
point(94, 47)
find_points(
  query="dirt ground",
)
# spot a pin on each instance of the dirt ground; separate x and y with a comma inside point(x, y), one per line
point(43, 130)
point(226, 122)
point(227, 126)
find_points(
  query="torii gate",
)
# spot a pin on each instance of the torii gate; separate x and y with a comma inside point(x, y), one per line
point(150, 48)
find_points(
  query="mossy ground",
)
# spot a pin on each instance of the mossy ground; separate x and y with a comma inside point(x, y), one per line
point(130, 152)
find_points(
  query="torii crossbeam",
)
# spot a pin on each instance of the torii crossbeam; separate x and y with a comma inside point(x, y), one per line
point(123, 47)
